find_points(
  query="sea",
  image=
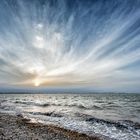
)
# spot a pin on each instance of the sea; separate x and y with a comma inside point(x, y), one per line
point(112, 116)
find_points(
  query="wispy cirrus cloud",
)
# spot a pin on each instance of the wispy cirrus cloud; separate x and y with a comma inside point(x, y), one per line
point(91, 43)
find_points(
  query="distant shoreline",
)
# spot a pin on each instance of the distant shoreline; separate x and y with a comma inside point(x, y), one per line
point(60, 92)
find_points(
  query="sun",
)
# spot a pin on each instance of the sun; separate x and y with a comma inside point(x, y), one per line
point(36, 83)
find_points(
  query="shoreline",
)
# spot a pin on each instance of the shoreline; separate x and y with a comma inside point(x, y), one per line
point(17, 127)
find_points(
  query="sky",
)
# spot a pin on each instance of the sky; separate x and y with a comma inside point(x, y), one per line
point(70, 43)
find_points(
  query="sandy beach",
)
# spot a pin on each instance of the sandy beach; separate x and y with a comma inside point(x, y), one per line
point(20, 128)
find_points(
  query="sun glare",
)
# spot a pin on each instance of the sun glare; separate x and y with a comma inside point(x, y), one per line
point(36, 83)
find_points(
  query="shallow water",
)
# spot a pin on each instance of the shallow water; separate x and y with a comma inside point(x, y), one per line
point(116, 116)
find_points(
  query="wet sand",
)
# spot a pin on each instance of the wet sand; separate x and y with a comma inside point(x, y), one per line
point(19, 128)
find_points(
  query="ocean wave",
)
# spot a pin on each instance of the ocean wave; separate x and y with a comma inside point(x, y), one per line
point(133, 124)
point(124, 124)
point(6, 107)
point(76, 105)
point(50, 114)
point(82, 115)
point(80, 106)
point(97, 107)
point(43, 105)
point(1, 101)
point(23, 102)
point(110, 106)
point(32, 103)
